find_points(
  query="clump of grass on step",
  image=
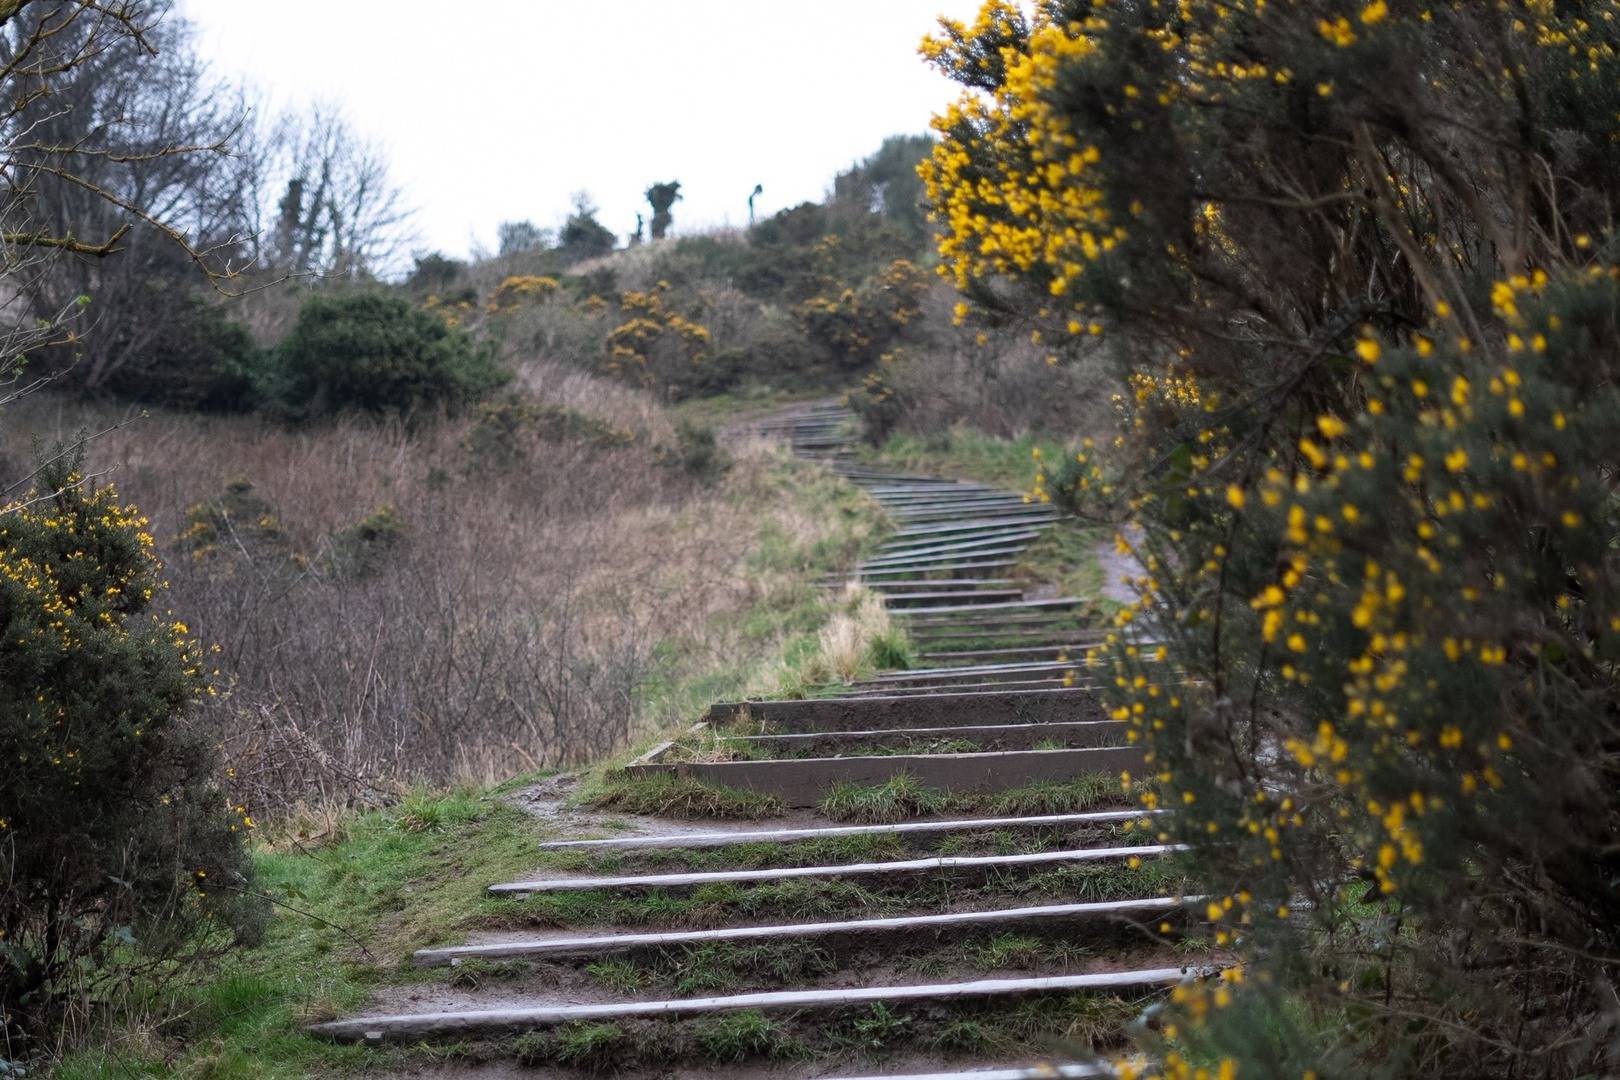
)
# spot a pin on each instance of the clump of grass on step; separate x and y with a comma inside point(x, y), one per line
point(667, 795)
point(896, 799)
point(594, 1046)
point(474, 972)
point(890, 651)
point(742, 1035)
point(903, 796)
point(1056, 796)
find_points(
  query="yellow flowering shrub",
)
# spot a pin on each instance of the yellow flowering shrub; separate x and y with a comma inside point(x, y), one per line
point(519, 288)
point(857, 325)
point(1352, 263)
point(656, 346)
point(116, 847)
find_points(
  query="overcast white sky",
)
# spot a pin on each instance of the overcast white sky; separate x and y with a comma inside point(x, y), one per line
point(501, 110)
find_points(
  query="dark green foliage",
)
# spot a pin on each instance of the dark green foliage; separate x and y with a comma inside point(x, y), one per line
point(582, 236)
point(661, 197)
point(376, 353)
point(856, 326)
point(189, 355)
point(115, 843)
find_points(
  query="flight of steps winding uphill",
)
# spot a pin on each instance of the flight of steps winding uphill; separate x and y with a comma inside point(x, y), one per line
point(1008, 913)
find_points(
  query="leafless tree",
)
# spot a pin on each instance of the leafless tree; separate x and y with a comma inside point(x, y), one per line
point(116, 143)
point(338, 212)
point(108, 157)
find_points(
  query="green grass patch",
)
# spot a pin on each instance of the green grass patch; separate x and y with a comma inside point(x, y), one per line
point(347, 915)
point(961, 453)
point(668, 795)
point(904, 797)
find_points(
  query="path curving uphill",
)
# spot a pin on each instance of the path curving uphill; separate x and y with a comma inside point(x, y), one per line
point(960, 890)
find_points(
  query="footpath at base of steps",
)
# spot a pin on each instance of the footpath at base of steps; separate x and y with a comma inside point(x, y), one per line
point(972, 942)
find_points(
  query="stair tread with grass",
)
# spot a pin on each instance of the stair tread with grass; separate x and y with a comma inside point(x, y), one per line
point(410, 1026)
point(900, 866)
point(825, 832)
point(599, 944)
point(1076, 734)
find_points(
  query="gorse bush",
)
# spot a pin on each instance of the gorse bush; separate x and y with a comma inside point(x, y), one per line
point(116, 847)
point(857, 324)
point(656, 346)
point(375, 352)
point(1349, 263)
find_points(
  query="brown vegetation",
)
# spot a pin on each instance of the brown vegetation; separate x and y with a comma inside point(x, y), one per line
point(397, 607)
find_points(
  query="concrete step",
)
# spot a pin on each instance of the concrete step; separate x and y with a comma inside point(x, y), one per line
point(937, 863)
point(415, 1026)
point(605, 944)
point(971, 657)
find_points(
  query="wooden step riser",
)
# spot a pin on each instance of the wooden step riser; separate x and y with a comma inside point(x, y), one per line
point(988, 736)
point(922, 601)
point(804, 782)
point(966, 686)
point(903, 711)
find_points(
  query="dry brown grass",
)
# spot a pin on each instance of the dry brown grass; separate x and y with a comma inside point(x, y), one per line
point(848, 635)
point(515, 624)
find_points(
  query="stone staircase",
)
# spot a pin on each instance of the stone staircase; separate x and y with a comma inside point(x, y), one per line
point(1007, 926)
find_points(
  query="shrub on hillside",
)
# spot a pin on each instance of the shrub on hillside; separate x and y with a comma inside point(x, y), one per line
point(376, 353)
point(116, 846)
point(857, 325)
point(191, 356)
point(656, 346)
